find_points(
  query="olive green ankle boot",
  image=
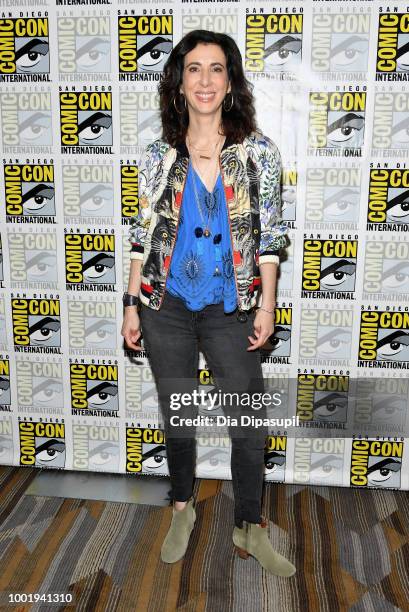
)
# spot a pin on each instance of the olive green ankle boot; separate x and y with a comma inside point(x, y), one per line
point(176, 540)
point(252, 539)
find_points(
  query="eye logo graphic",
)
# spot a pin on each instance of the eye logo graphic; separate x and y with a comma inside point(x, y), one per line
point(145, 43)
point(29, 193)
point(388, 200)
point(340, 43)
point(84, 46)
point(322, 399)
point(146, 451)
point(273, 43)
point(24, 49)
point(376, 463)
point(90, 262)
point(95, 448)
point(336, 122)
point(329, 268)
point(94, 389)
point(42, 444)
point(86, 122)
point(384, 339)
point(275, 458)
point(391, 123)
point(392, 57)
point(88, 193)
point(36, 325)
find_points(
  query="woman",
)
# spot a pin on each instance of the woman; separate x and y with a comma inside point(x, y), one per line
point(205, 239)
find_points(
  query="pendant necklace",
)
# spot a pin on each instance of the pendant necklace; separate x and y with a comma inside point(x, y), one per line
point(198, 150)
point(205, 230)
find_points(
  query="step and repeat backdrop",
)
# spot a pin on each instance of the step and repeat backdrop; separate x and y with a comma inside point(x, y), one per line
point(78, 104)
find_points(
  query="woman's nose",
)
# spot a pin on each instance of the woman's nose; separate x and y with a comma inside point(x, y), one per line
point(204, 77)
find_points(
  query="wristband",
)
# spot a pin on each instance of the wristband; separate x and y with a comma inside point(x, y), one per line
point(130, 300)
point(265, 310)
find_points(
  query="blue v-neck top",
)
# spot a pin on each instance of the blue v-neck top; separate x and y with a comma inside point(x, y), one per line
point(201, 270)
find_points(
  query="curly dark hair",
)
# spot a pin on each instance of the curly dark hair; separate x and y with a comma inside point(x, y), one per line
point(238, 123)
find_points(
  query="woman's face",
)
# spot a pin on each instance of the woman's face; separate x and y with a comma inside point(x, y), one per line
point(205, 80)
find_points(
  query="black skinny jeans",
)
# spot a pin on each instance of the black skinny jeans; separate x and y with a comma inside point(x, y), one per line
point(172, 337)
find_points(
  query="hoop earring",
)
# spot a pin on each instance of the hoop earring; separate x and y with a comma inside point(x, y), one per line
point(231, 105)
point(176, 109)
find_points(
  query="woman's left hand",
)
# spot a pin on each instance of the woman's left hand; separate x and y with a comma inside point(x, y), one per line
point(263, 328)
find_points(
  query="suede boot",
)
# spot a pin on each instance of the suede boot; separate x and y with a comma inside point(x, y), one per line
point(175, 543)
point(253, 540)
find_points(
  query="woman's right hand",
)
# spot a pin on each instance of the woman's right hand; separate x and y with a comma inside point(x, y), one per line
point(131, 328)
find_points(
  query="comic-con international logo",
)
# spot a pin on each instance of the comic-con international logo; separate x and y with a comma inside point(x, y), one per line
point(26, 122)
point(384, 339)
point(392, 55)
point(94, 389)
point(329, 267)
point(6, 437)
point(33, 258)
point(29, 192)
point(146, 451)
point(140, 121)
point(89, 261)
point(386, 269)
point(381, 404)
point(95, 448)
point(42, 444)
point(92, 325)
point(273, 43)
point(144, 45)
point(275, 458)
point(5, 396)
point(39, 386)
point(390, 124)
point(86, 121)
point(318, 460)
point(388, 200)
point(129, 192)
point(84, 47)
point(88, 193)
point(332, 198)
point(326, 334)
point(322, 400)
point(277, 349)
point(36, 325)
point(24, 49)
point(376, 463)
point(336, 123)
point(339, 44)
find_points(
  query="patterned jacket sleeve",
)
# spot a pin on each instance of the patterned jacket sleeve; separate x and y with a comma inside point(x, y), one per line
point(140, 222)
point(273, 231)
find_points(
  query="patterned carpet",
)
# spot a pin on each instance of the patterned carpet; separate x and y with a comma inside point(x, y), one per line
point(351, 549)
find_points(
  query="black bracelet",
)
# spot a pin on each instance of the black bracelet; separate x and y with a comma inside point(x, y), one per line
point(130, 300)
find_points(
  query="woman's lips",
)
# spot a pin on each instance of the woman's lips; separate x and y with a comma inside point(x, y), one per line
point(205, 97)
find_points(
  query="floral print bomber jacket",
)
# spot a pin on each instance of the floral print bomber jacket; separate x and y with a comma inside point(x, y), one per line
point(250, 172)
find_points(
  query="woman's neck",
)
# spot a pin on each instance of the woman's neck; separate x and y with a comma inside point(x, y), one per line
point(204, 130)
